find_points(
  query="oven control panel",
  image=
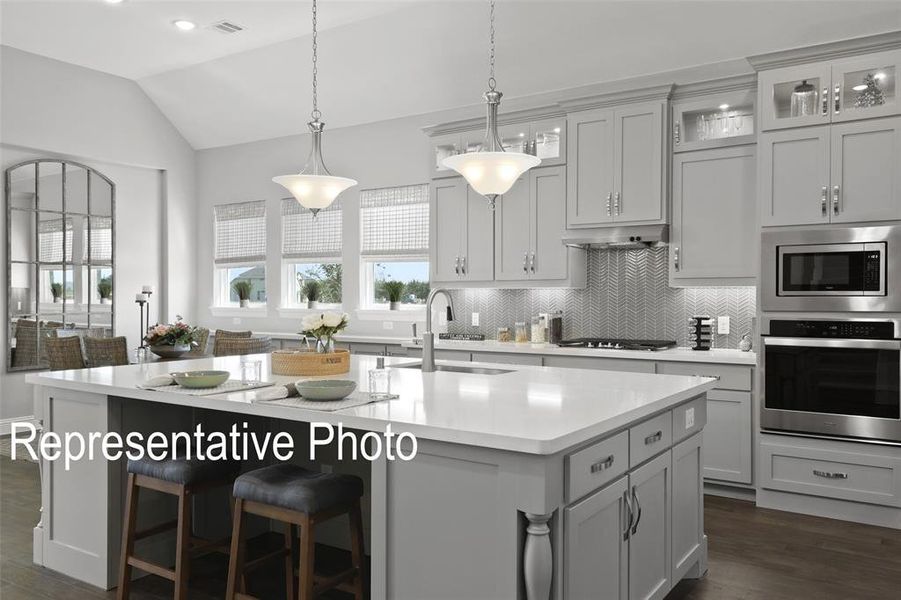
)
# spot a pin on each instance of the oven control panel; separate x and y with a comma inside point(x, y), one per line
point(872, 330)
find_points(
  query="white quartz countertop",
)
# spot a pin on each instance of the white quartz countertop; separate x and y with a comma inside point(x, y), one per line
point(716, 355)
point(535, 410)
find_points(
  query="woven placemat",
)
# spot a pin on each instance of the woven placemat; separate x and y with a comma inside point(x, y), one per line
point(355, 399)
point(232, 385)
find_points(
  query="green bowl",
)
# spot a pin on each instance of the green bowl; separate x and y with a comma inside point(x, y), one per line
point(200, 379)
point(325, 389)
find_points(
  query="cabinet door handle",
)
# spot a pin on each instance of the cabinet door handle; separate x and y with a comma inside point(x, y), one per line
point(677, 134)
point(627, 502)
point(638, 504)
point(838, 98)
point(532, 263)
point(828, 475)
point(823, 199)
point(525, 262)
point(617, 206)
point(457, 266)
point(463, 265)
point(602, 465)
point(609, 199)
point(825, 101)
point(653, 438)
point(835, 195)
point(676, 258)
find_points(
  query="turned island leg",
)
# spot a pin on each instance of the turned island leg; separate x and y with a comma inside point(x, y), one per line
point(538, 561)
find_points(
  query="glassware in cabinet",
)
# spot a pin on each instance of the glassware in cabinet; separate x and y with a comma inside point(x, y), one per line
point(795, 96)
point(721, 120)
point(866, 87)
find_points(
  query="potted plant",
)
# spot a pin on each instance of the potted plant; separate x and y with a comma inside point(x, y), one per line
point(105, 289)
point(393, 290)
point(312, 290)
point(171, 340)
point(323, 327)
point(242, 288)
point(56, 289)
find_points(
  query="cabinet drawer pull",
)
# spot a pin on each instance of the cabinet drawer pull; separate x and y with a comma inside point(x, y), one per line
point(677, 137)
point(836, 190)
point(676, 258)
point(823, 197)
point(838, 98)
point(525, 262)
point(532, 263)
point(627, 501)
point(828, 475)
point(717, 377)
point(825, 101)
point(617, 204)
point(602, 465)
point(463, 265)
point(653, 438)
point(457, 265)
point(638, 504)
point(609, 199)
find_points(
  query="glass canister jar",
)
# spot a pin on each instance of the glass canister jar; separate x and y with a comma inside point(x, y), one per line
point(522, 333)
point(803, 100)
point(504, 334)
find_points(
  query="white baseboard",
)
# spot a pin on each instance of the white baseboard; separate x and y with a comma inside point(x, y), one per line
point(6, 424)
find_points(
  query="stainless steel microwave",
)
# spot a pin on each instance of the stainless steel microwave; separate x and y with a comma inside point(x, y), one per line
point(832, 269)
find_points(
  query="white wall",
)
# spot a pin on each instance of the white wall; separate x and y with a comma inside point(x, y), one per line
point(388, 153)
point(54, 109)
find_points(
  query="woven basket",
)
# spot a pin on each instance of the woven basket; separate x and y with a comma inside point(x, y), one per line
point(309, 362)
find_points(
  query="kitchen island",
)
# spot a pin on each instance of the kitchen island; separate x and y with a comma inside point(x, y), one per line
point(531, 483)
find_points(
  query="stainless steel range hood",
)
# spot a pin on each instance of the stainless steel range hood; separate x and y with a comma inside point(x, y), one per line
point(614, 238)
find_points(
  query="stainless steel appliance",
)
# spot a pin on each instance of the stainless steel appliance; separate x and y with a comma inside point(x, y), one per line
point(832, 269)
point(833, 378)
point(617, 344)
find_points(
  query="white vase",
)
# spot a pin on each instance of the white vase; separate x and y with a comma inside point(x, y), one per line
point(104, 301)
point(394, 305)
point(244, 303)
point(312, 304)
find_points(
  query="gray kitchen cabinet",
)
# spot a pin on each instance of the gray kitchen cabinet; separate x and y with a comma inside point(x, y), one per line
point(462, 230)
point(721, 119)
point(603, 364)
point(529, 224)
point(714, 230)
point(794, 176)
point(866, 178)
point(688, 503)
point(616, 166)
point(776, 86)
point(650, 568)
point(596, 550)
point(728, 437)
point(840, 173)
point(443, 146)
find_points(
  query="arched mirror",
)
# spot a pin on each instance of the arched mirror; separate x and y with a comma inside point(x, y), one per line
point(60, 271)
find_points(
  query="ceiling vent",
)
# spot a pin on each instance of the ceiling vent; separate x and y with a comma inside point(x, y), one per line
point(227, 27)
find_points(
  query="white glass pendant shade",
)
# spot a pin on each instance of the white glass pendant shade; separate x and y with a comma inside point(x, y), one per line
point(491, 173)
point(314, 187)
point(489, 170)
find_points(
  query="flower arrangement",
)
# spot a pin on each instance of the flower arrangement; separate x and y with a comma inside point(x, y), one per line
point(174, 334)
point(323, 327)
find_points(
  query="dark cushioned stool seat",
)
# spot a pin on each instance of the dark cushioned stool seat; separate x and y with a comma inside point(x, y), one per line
point(295, 488)
point(182, 471)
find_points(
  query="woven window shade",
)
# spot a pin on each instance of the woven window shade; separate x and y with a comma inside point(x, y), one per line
point(305, 237)
point(101, 243)
point(50, 241)
point(395, 221)
point(240, 232)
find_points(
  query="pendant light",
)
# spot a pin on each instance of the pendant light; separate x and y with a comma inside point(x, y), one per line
point(314, 187)
point(490, 170)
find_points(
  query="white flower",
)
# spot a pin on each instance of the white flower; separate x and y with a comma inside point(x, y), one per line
point(332, 319)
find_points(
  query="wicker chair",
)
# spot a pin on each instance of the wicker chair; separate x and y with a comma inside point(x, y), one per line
point(106, 352)
point(64, 353)
point(28, 353)
point(202, 337)
point(241, 346)
point(223, 334)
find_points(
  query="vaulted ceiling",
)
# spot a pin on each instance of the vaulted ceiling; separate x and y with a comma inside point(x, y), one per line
point(382, 60)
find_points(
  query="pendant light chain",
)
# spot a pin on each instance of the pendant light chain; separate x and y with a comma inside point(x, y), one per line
point(491, 81)
point(315, 114)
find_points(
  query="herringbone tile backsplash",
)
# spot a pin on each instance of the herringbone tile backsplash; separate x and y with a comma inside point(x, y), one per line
point(627, 296)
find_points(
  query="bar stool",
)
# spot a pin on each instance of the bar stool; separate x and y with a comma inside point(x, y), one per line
point(298, 497)
point(181, 478)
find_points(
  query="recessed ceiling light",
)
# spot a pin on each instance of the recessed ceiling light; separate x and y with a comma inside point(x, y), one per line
point(724, 106)
point(184, 25)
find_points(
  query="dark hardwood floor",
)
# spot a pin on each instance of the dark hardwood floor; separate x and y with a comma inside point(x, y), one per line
point(755, 554)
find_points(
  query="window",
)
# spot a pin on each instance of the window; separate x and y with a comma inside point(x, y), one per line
point(240, 253)
point(395, 245)
point(51, 236)
point(311, 255)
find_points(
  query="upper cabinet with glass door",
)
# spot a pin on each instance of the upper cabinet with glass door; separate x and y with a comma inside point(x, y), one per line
point(714, 121)
point(860, 87)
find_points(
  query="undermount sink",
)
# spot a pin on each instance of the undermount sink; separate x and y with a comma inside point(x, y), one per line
point(458, 369)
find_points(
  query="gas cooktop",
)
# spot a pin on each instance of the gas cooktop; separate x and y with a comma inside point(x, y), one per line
point(617, 344)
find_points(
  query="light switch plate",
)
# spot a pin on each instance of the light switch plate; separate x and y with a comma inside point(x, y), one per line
point(475, 319)
point(689, 418)
point(722, 325)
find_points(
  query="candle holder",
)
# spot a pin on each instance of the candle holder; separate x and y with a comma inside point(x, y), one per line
point(141, 300)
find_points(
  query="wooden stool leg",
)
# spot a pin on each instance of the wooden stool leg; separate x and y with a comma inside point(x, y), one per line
point(357, 548)
point(290, 532)
point(236, 555)
point(307, 558)
point(183, 545)
point(128, 538)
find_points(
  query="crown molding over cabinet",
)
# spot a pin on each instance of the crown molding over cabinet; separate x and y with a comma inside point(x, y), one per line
point(829, 51)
